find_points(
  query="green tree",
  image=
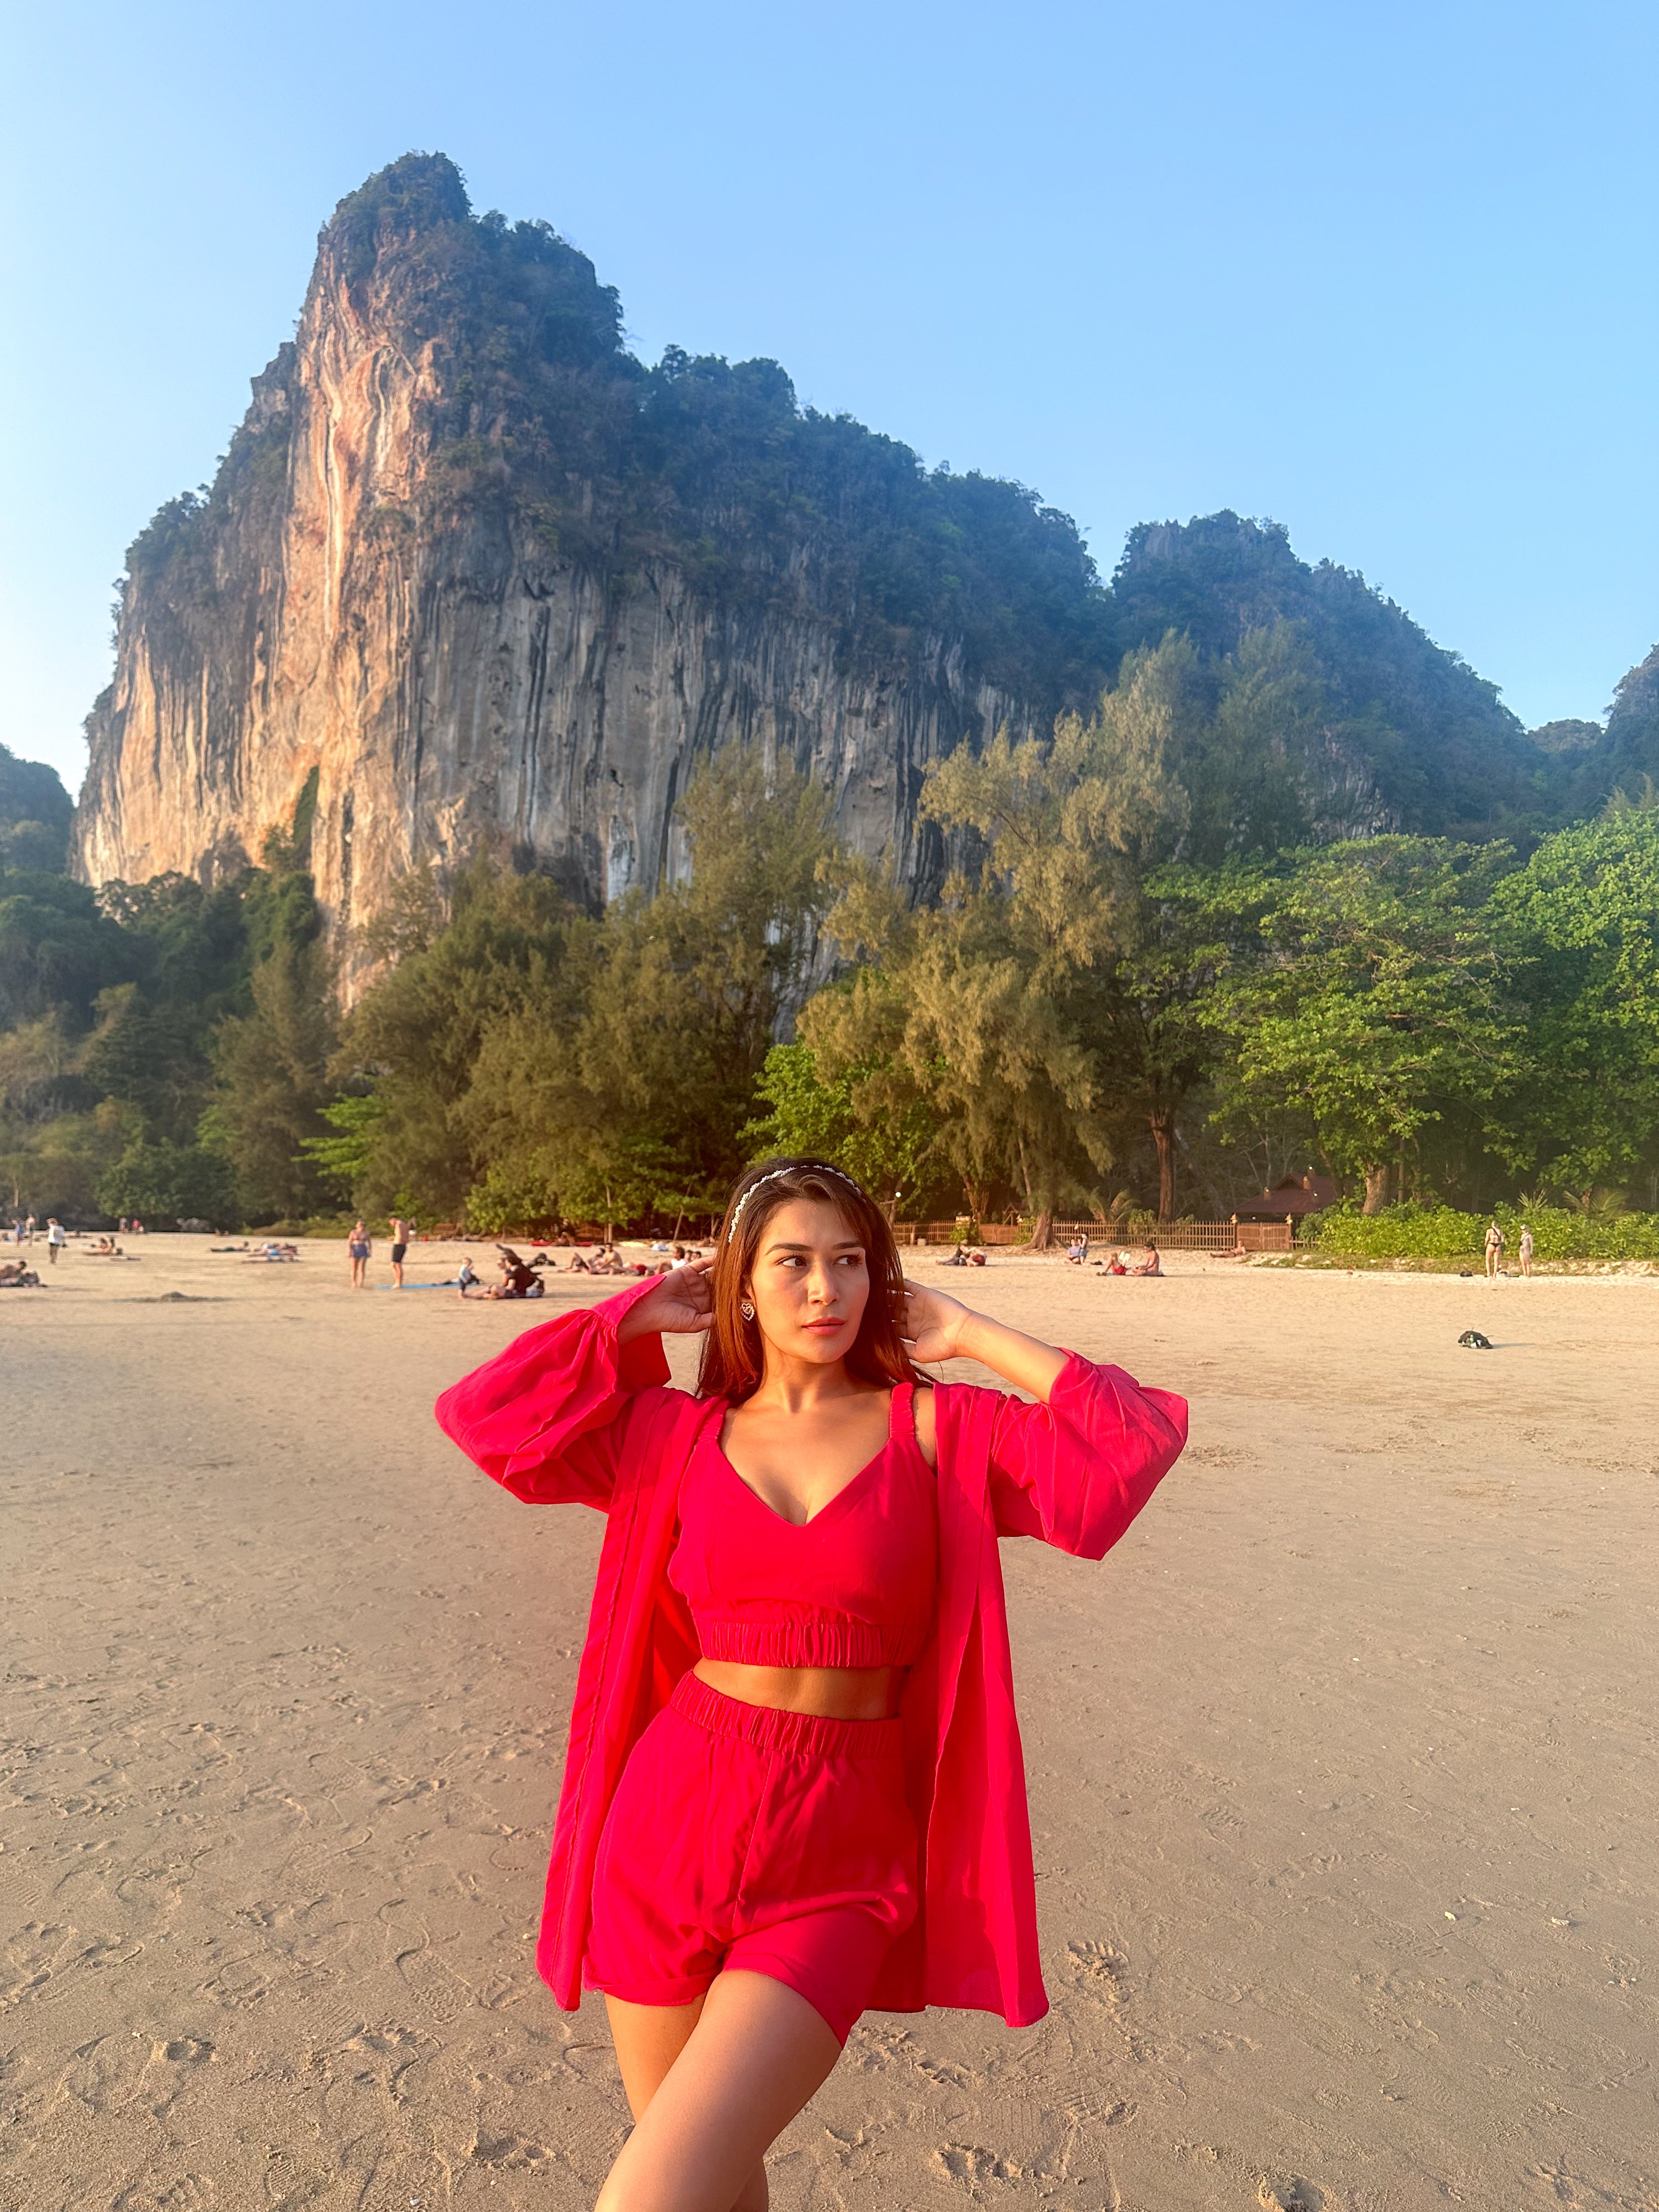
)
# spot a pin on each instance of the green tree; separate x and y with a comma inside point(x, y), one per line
point(634, 1095)
point(1580, 926)
point(56, 950)
point(838, 1117)
point(511, 945)
point(271, 1063)
point(1072, 830)
point(1359, 986)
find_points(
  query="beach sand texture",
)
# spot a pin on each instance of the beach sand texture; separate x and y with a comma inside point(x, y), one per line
point(1341, 1767)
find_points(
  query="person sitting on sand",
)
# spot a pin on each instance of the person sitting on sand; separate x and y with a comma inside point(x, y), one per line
point(579, 1265)
point(516, 1279)
point(1114, 1263)
point(14, 1276)
point(1077, 1254)
point(1152, 1265)
point(107, 1248)
point(957, 1259)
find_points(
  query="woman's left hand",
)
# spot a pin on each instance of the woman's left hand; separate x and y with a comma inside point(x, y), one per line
point(932, 1323)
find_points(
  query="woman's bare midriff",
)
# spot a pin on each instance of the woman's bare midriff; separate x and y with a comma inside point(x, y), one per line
point(834, 1693)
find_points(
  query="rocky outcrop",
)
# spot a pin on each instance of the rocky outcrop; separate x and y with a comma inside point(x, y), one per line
point(471, 574)
point(334, 638)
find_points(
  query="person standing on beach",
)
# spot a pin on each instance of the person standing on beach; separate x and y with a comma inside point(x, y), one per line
point(56, 1239)
point(800, 1663)
point(1526, 1249)
point(399, 1246)
point(359, 1245)
point(1494, 1251)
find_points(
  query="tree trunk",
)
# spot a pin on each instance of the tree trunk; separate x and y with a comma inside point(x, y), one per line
point(1042, 1231)
point(1161, 1123)
point(1377, 1189)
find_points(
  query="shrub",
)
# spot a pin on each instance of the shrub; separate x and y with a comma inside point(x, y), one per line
point(1442, 1232)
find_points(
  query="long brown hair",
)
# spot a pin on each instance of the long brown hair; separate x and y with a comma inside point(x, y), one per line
point(733, 1356)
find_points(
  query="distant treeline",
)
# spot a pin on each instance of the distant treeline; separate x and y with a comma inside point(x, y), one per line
point(1140, 990)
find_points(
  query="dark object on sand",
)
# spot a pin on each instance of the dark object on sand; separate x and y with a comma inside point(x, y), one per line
point(1466, 1274)
point(1476, 1341)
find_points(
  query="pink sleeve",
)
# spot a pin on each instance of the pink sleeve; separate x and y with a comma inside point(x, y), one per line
point(544, 1417)
point(1076, 1471)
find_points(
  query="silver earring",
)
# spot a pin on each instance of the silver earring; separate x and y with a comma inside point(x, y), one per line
point(746, 1311)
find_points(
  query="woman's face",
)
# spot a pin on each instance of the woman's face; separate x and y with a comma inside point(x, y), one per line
point(810, 1282)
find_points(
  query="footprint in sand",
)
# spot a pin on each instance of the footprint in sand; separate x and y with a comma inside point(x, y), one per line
point(1294, 2196)
point(31, 1959)
point(510, 2153)
point(964, 2163)
point(1098, 1968)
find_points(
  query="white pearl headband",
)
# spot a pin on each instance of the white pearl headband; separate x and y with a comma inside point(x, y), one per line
point(762, 1180)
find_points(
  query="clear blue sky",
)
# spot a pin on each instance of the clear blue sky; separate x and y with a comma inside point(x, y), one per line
point(1383, 273)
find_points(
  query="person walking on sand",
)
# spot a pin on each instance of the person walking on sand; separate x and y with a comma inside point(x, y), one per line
point(56, 1239)
point(1494, 1251)
point(399, 1246)
point(800, 1665)
point(1526, 1249)
point(359, 1245)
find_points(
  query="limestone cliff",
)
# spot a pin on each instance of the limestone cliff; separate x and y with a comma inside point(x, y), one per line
point(472, 574)
point(465, 576)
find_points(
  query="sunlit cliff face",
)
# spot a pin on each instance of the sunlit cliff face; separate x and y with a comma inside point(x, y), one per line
point(418, 675)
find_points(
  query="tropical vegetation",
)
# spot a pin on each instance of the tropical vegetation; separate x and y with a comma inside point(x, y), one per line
point(1143, 991)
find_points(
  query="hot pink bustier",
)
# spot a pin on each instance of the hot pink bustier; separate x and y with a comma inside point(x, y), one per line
point(851, 1587)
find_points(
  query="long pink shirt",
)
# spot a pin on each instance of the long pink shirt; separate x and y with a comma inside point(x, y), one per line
point(566, 1414)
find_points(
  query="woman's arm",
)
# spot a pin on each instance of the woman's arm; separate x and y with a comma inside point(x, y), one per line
point(940, 1327)
point(1074, 1469)
point(544, 1417)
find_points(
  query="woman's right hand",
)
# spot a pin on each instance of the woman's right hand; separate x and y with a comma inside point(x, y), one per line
point(681, 1305)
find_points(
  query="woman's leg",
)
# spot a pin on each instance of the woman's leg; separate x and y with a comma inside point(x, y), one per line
point(648, 2039)
point(719, 2082)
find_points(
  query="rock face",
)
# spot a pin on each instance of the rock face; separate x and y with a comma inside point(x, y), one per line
point(471, 574)
point(338, 639)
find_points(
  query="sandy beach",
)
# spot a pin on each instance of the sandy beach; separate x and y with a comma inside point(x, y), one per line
point(1341, 1766)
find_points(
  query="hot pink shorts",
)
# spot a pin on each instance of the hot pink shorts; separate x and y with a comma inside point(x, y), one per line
point(779, 1842)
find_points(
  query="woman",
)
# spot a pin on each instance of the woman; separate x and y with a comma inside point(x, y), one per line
point(795, 1786)
point(358, 1248)
point(1494, 1251)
